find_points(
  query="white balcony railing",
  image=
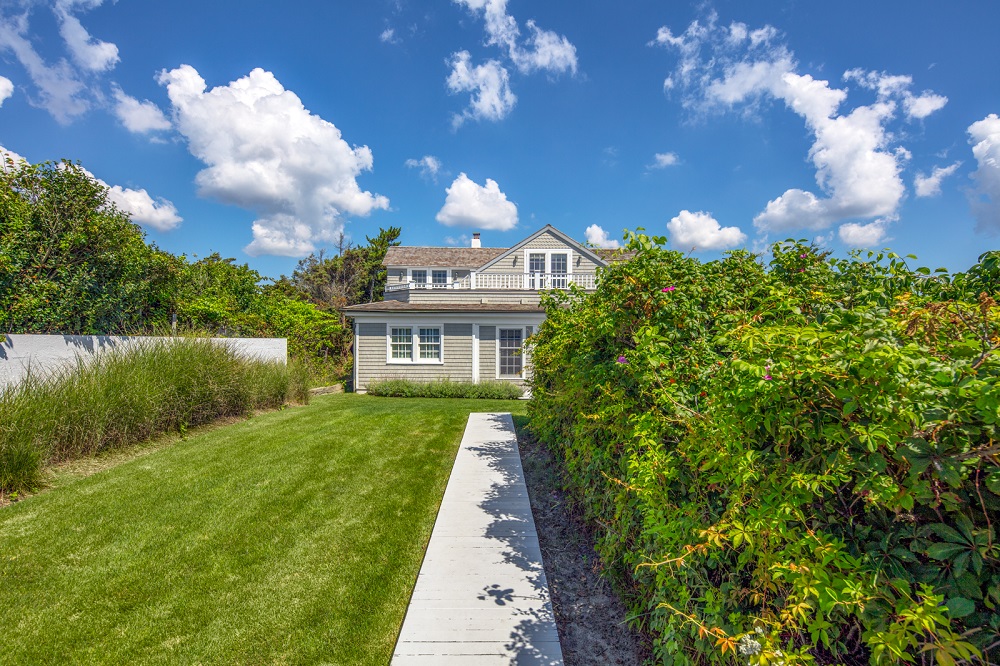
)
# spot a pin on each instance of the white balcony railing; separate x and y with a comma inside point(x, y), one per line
point(506, 282)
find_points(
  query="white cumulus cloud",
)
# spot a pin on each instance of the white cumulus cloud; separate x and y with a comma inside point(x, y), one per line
point(663, 160)
point(469, 204)
point(543, 50)
point(489, 83)
point(6, 89)
point(867, 235)
point(857, 166)
point(267, 153)
point(930, 185)
point(703, 232)
point(58, 88)
point(388, 36)
point(159, 214)
point(61, 86)
point(598, 237)
point(9, 155)
point(984, 135)
point(429, 166)
point(89, 53)
point(136, 116)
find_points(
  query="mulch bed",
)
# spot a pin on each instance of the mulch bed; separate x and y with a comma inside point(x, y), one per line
point(589, 615)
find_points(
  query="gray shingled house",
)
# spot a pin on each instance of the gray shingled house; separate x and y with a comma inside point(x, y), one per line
point(464, 313)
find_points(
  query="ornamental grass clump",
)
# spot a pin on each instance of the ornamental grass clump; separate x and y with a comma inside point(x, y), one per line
point(798, 462)
point(444, 388)
point(120, 397)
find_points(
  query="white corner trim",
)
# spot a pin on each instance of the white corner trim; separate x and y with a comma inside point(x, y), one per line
point(357, 330)
point(475, 353)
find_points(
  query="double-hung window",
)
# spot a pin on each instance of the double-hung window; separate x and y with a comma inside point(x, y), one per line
point(439, 278)
point(415, 344)
point(430, 344)
point(401, 342)
point(510, 360)
point(559, 267)
point(419, 276)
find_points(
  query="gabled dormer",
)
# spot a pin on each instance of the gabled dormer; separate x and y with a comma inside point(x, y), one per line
point(547, 259)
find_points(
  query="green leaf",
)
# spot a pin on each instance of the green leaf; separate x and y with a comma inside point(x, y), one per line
point(960, 607)
point(993, 482)
point(947, 533)
point(945, 551)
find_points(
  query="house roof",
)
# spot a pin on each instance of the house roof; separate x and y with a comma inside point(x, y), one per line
point(481, 257)
point(400, 306)
point(445, 257)
point(613, 256)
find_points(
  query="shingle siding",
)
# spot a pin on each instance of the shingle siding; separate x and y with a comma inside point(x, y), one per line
point(373, 365)
point(547, 241)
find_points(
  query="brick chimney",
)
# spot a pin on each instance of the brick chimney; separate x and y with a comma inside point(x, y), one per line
point(475, 240)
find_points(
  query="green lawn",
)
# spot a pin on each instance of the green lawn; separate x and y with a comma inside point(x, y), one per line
point(294, 537)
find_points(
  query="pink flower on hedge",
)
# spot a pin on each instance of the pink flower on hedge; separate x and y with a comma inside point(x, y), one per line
point(767, 378)
point(668, 289)
point(622, 359)
point(803, 256)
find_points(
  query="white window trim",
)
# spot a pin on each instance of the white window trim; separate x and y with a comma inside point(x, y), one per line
point(548, 259)
point(415, 338)
point(548, 266)
point(430, 274)
point(524, 357)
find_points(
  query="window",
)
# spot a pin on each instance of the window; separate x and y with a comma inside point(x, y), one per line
point(439, 277)
point(510, 361)
point(402, 343)
point(414, 344)
point(536, 267)
point(430, 344)
point(547, 269)
point(559, 265)
point(419, 276)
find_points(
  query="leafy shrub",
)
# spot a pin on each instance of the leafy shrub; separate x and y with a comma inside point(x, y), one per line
point(404, 388)
point(118, 398)
point(789, 463)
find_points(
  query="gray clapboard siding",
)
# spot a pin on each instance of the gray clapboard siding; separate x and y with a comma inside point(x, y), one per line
point(373, 365)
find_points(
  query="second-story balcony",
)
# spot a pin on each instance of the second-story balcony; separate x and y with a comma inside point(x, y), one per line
point(505, 282)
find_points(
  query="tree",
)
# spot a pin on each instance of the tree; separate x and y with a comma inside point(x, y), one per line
point(354, 275)
point(70, 261)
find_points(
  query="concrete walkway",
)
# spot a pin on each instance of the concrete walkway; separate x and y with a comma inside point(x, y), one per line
point(481, 596)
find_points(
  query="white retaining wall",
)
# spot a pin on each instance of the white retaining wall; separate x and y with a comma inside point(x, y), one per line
point(44, 353)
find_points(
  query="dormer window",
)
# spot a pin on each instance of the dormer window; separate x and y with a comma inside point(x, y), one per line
point(439, 277)
point(419, 276)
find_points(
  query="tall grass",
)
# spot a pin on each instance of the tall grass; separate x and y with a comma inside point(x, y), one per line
point(122, 397)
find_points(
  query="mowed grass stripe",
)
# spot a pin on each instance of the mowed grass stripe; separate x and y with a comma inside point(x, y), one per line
point(293, 537)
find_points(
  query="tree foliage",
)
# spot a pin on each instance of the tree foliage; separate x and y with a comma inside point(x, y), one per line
point(72, 263)
point(789, 463)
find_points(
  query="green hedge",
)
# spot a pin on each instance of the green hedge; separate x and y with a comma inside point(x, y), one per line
point(404, 388)
point(118, 398)
point(788, 463)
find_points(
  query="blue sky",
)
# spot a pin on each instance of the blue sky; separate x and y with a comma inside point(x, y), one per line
point(260, 130)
